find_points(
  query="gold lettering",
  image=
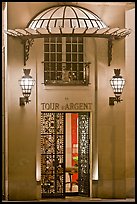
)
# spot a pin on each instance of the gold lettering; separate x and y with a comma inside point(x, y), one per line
point(71, 106)
point(47, 106)
point(90, 105)
point(56, 106)
point(85, 106)
point(76, 106)
point(42, 106)
point(66, 106)
point(80, 106)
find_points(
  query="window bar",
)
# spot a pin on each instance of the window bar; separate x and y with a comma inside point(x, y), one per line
point(71, 53)
point(56, 58)
point(83, 72)
point(77, 68)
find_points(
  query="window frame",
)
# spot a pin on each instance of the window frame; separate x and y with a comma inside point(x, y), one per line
point(57, 61)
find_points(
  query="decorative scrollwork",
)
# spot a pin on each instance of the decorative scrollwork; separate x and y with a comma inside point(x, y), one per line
point(110, 44)
point(52, 154)
point(27, 44)
point(83, 161)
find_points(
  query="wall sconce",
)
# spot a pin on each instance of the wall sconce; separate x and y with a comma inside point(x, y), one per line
point(26, 84)
point(117, 82)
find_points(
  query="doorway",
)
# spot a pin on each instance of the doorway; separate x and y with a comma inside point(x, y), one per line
point(71, 154)
point(65, 154)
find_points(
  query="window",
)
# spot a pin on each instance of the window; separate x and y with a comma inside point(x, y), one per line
point(64, 62)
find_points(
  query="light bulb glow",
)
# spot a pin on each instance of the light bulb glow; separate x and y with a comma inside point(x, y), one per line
point(117, 83)
point(26, 84)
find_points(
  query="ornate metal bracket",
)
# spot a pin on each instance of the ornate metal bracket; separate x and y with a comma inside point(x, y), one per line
point(27, 44)
point(113, 99)
point(110, 44)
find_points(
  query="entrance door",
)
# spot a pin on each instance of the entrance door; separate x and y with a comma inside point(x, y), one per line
point(83, 152)
point(53, 154)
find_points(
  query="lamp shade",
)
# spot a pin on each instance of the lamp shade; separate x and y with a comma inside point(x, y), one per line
point(117, 83)
point(26, 83)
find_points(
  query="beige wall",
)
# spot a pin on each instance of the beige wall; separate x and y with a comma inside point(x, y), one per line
point(3, 101)
point(109, 123)
point(130, 105)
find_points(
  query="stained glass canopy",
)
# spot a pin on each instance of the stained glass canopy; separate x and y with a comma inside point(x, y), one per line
point(67, 17)
point(66, 20)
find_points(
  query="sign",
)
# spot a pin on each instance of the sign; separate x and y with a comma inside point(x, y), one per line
point(67, 106)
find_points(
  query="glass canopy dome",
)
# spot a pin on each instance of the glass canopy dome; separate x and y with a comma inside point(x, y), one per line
point(67, 20)
point(66, 17)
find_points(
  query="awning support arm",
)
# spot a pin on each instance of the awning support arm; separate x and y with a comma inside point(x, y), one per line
point(110, 44)
point(27, 44)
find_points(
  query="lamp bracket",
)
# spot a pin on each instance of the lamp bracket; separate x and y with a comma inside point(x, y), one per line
point(110, 44)
point(113, 99)
point(27, 44)
point(24, 100)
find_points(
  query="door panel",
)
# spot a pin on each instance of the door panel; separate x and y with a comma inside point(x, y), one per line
point(52, 154)
point(83, 152)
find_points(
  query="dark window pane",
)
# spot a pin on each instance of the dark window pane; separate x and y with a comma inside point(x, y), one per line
point(59, 57)
point(52, 75)
point(59, 47)
point(46, 76)
point(46, 48)
point(80, 40)
point(80, 57)
point(59, 40)
point(52, 66)
point(68, 48)
point(46, 40)
point(68, 57)
point(74, 66)
point(46, 66)
point(68, 66)
point(74, 57)
point(80, 47)
point(52, 47)
point(74, 39)
point(68, 39)
point(53, 40)
point(59, 67)
point(74, 48)
point(80, 75)
point(52, 56)
point(80, 67)
point(46, 57)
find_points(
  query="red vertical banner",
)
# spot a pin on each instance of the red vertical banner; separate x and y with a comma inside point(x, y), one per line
point(74, 135)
